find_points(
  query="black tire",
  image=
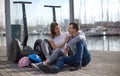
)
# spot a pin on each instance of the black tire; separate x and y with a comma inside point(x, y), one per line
point(15, 52)
point(49, 46)
point(37, 48)
point(46, 48)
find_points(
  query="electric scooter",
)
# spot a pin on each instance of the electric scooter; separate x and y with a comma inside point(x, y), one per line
point(19, 49)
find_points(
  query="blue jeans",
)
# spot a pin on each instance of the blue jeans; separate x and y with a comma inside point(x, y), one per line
point(82, 56)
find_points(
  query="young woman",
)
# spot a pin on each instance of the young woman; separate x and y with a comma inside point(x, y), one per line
point(57, 42)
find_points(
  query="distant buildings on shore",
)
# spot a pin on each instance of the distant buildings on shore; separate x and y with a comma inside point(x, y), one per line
point(97, 27)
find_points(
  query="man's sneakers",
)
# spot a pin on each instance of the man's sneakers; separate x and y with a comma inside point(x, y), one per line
point(48, 69)
point(75, 67)
point(54, 69)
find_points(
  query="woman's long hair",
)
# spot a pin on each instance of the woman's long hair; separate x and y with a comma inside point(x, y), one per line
point(52, 29)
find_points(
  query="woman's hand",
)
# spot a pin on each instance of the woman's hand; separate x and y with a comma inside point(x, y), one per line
point(78, 32)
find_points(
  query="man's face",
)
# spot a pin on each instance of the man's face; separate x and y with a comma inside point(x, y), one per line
point(71, 30)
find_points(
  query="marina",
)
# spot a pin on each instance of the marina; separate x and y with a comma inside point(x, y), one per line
point(23, 22)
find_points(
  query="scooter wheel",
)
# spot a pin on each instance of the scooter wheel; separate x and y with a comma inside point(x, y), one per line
point(15, 53)
point(38, 50)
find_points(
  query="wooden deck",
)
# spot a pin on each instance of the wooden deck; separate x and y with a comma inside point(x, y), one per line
point(103, 63)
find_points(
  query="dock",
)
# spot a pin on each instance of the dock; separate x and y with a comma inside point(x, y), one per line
point(103, 63)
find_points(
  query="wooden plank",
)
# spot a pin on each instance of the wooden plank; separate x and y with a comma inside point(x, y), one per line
point(103, 64)
point(3, 72)
point(7, 68)
point(11, 68)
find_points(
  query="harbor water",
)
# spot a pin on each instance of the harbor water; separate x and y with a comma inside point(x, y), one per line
point(104, 43)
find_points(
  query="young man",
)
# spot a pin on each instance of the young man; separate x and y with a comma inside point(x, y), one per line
point(81, 55)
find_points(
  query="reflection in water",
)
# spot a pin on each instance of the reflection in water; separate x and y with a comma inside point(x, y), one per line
point(104, 38)
point(111, 43)
point(104, 43)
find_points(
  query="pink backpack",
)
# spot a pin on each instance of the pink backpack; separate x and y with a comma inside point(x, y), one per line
point(24, 61)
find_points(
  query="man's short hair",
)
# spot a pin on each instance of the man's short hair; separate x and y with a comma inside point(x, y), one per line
point(75, 26)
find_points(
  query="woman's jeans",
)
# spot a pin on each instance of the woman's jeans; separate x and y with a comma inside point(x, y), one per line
point(82, 56)
point(55, 55)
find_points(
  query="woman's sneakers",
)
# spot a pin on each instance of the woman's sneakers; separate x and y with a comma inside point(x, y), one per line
point(48, 69)
point(35, 65)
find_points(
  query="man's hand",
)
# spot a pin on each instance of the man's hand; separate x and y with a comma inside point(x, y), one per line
point(66, 50)
point(67, 39)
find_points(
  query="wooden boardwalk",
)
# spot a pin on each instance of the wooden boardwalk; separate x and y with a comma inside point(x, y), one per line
point(103, 63)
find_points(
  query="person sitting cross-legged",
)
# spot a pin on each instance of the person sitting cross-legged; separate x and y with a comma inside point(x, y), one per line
point(81, 56)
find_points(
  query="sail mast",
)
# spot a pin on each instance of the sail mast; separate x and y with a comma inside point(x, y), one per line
point(71, 7)
point(102, 9)
point(107, 11)
point(85, 11)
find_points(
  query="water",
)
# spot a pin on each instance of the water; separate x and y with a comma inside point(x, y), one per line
point(104, 43)
point(33, 38)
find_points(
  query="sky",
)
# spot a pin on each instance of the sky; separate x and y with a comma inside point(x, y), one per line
point(43, 15)
point(88, 11)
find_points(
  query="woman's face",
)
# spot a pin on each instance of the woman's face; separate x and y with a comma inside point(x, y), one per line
point(57, 30)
